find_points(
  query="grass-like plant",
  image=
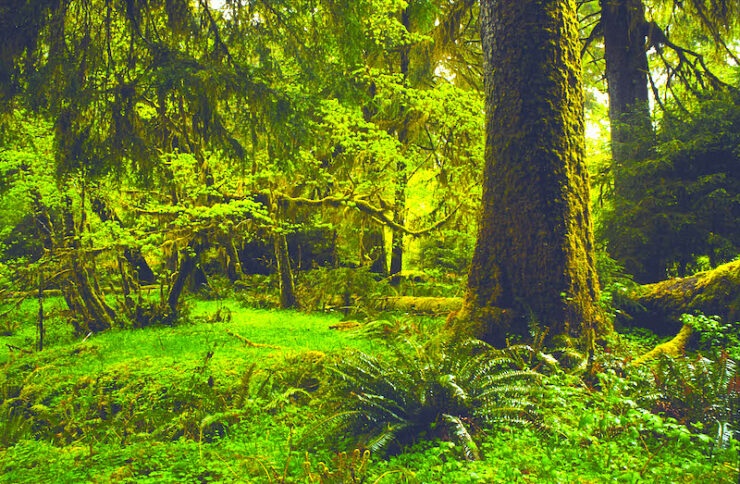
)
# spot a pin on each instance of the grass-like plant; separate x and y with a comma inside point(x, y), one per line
point(446, 390)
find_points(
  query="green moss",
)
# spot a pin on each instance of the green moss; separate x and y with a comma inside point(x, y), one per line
point(714, 292)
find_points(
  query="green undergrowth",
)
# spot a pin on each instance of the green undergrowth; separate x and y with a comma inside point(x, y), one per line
point(243, 395)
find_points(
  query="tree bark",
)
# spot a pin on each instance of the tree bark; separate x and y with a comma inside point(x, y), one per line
point(534, 255)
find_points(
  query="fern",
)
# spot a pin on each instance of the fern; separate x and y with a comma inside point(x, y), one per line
point(440, 389)
point(701, 391)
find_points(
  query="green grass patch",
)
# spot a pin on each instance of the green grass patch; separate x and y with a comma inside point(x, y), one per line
point(237, 395)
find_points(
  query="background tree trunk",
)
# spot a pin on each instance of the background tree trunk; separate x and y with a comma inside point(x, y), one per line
point(399, 207)
point(188, 261)
point(287, 287)
point(624, 26)
point(534, 255)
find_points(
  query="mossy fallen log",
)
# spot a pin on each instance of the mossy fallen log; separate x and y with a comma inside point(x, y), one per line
point(424, 305)
point(659, 306)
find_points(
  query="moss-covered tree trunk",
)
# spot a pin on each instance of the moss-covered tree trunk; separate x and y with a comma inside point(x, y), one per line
point(534, 255)
point(659, 306)
point(399, 207)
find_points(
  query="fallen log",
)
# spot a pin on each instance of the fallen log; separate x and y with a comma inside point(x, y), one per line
point(659, 306)
point(424, 305)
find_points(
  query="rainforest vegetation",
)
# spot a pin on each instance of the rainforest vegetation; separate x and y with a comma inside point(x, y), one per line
point(369, 241)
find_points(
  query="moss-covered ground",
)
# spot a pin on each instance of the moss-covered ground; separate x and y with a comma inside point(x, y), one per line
point(237, 395)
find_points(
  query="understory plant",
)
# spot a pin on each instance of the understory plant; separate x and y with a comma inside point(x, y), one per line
point(702, 392)
point(439, 390)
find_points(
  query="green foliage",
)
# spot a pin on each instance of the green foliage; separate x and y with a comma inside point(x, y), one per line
point(447, 252)
point(715, 337)
point(439, 389)
point(681, 203)
point(702, 392)
point(346, 468)
point(138, 406)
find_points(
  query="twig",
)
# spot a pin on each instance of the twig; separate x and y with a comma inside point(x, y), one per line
point(251, 344)
point(13, 347)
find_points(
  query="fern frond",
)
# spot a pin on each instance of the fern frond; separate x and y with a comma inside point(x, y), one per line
point(463, 436)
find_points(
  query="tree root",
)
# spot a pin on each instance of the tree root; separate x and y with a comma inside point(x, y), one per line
point(674, 347)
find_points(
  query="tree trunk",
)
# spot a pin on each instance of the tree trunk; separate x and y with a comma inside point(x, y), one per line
point(373, 243)
point(399, 218)
point(625, 52)
point(534, 255)
point(287, 287)
point(188, 261)
point(625, 32)
point(399, 208)
point(233, 264)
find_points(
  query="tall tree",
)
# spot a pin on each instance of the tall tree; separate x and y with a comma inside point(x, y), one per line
point(624, 29)
point(641, 57)
point(534, 255)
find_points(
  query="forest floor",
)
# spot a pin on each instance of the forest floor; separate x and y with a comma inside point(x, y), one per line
point(239, 395)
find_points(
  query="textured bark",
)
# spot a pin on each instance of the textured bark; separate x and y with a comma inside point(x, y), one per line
point(534, 255)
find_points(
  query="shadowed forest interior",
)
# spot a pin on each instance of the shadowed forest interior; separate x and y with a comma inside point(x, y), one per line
point(369, 241)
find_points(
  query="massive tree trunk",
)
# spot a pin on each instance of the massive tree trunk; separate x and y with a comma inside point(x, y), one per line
point(534, 256)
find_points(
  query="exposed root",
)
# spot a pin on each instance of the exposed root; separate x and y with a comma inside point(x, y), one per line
point(674, 347)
